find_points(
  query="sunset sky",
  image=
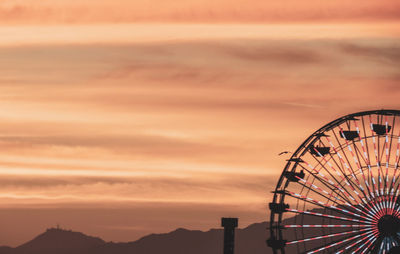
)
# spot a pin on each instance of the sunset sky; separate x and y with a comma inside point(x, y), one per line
point(123, 118)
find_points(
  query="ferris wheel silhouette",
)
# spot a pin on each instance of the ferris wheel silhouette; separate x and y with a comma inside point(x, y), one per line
point(342, 184)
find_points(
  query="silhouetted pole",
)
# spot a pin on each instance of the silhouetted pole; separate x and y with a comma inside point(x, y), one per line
point(229, 225)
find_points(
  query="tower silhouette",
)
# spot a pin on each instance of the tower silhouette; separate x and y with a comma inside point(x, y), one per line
point(229, 225)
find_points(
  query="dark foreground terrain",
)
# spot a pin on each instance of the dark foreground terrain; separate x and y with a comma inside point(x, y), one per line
point(250, 240)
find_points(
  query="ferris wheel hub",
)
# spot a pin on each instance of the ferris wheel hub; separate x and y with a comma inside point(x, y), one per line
point(389, 225)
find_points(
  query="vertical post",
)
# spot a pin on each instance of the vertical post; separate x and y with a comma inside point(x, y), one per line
point(229, 225)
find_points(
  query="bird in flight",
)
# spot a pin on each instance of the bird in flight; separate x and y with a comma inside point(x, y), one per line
point(284, 152)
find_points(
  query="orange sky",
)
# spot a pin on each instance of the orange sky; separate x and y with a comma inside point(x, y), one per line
point(120, 129)
point(22, 11)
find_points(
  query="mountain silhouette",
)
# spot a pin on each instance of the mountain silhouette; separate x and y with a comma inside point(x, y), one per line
point(5, 249)
point(249, 240)
point(180, 241)
point(58, 241)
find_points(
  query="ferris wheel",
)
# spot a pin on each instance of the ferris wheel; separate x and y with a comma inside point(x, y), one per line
point(339, 191)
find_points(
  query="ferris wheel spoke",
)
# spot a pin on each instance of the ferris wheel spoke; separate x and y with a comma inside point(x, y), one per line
point(386, 141)
point(344, 158)
point(319, 190)
point(359, 168)
point(361, 157)
point(336, 185)
point(394, 206)
point(350, 169)
point(380, 147)
point(370, 237)
point(324, 205)
point(367, 156)
point(340, 172)
point(337, 243)
point(392, 135)
point(374, 208)
point(365, 138)
point(335, 189)
point(328, 216)
point(395, 186)
point(376, 152)
point(327, 236)
point(395, 209)
point(333, 177)
point(366, 246)
point(315, 189)
point(386, 205)
point(357, 155)
point(394, 177)
point(385, 151)
point(386, 208)
point(378, 245)
point(298, 196)
point(328, 226)
point(346, 164)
